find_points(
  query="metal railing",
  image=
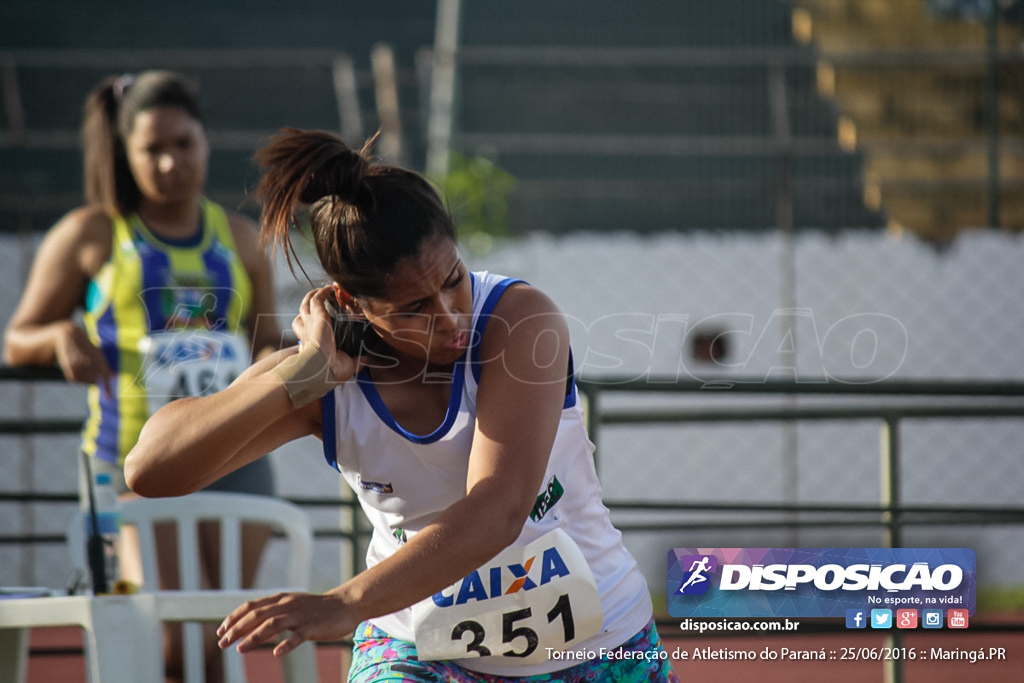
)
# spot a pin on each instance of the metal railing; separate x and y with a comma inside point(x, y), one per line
point(969, 399)
point(962, 400)
point(965, 400)
point(356, 537)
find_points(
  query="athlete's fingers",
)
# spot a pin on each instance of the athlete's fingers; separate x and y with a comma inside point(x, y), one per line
point(288, 644)
point(267, 628)
point(301, 322)
point(106, 386)
point(272, 618)
point(318, 302)
point(241, 619)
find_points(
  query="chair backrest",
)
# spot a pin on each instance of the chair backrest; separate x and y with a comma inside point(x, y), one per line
point(229, 511)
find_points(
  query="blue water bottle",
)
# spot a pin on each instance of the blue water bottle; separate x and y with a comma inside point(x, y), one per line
point(108, 518)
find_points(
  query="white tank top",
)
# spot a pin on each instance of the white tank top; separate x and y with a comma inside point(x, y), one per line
point(403, 481)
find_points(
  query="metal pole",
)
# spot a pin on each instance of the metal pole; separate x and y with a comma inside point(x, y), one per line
point(890, 466)
point(992, 105)
point(346, 95)
point(784, 223)
point(890, 474)
point(442, 87)
point(385, 80)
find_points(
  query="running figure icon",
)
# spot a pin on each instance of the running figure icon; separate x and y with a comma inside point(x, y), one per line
point(697, 570)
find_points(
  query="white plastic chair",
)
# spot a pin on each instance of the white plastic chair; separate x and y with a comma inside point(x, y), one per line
point(230, 510)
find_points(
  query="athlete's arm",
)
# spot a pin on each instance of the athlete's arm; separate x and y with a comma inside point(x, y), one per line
point(519, 405)
point(41, 331)
point(192, 442)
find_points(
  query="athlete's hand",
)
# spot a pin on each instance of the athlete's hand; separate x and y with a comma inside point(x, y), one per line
point(79, 360)
point(314, 323)
point(303, 616)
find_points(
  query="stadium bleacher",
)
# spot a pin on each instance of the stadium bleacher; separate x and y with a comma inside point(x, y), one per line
point(654, 116)
point(647, 116)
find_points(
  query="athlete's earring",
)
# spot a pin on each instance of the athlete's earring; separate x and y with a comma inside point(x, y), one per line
point(346, 301)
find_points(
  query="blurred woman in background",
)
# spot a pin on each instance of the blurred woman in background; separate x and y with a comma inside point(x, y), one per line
point(174, 294)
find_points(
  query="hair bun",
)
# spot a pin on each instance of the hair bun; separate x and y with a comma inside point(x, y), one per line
point(336, 171)
point(318, 186)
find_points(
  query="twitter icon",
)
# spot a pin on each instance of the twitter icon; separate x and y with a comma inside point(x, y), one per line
point(881, 618)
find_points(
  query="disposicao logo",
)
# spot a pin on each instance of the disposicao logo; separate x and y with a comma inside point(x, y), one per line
point(817, 582)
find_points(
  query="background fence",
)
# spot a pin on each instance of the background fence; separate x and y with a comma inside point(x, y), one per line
point(640, 312)
point(769, 505)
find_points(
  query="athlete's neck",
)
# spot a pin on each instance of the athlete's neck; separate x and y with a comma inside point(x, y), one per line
point(397, 368)
point(171, 221)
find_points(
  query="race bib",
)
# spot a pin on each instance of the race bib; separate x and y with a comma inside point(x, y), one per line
point(190, 363)
point(523, 602)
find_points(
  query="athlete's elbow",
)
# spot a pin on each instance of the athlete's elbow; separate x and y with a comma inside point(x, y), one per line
point(143, 474)
point(139, 477)
point(10, 350)
point(508, 524)
point(510, 532)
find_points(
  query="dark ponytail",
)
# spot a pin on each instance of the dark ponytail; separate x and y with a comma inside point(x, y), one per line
point(110, 111)
point(364, 216)
point(108, 178)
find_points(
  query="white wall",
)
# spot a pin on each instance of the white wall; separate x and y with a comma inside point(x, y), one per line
point(863, 305)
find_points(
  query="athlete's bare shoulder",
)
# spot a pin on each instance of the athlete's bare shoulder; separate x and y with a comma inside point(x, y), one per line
point(85, 233)
point(246, 235)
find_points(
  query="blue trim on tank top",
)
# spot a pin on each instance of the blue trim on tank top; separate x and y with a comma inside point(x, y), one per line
point(329, 428)
point(366, 385)
point(452, 412)
point(481, 322)
point(369, 390)
point(189, 242)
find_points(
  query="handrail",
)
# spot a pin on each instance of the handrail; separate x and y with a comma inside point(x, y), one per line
point(956, 399)
point(20, 132)
point(959, 399)
point(357, 536)
point(861, 386)
point(561, 56)
point(890, 514)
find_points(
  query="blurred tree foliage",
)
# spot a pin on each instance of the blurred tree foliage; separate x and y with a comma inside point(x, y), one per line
point(477, 190)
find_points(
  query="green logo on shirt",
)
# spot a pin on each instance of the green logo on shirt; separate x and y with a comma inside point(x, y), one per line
point(547, 500)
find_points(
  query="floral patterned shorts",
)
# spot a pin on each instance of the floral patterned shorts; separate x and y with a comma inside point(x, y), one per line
point(377, 657)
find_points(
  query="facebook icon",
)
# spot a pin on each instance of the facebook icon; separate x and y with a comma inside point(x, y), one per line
point(856, 618)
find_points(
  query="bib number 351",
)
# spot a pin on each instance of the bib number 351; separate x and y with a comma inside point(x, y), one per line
point(526, 600)
point(512, 628)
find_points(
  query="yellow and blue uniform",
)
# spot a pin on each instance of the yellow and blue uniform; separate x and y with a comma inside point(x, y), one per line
point(152, 285)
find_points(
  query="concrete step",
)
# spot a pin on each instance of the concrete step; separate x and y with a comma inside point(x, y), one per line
point(841, 25)
point(938, 211)
point(941, 164)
